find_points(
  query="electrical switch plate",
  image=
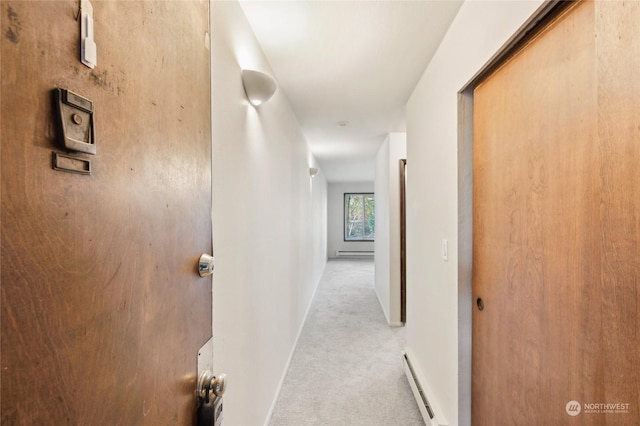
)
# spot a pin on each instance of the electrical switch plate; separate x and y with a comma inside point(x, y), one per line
point(445, 250)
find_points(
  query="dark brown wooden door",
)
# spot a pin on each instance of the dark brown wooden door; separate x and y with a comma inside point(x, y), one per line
point(403, 240)
point(103, 311)
point(556, 239)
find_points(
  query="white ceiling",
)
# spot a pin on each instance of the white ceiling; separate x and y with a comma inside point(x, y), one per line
point(353, 61)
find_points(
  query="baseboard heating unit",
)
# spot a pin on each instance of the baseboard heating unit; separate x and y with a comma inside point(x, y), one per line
point(344, 253)
point(426, 409)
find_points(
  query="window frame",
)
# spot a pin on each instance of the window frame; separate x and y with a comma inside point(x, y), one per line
point(345, 216)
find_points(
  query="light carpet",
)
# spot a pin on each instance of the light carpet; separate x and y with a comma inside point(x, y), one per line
point(347, 367)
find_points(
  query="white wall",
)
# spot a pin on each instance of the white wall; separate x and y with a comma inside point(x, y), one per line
point(269, 221)
point(387, 244)
point(335, 217)
point(478, 32)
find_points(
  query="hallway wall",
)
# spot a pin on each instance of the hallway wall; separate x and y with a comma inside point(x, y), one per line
point(433, 314)
point(387, 244)
point(269, 225)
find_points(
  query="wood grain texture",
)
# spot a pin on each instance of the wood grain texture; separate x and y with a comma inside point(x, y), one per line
point(556, 219)
point(102, 309)
point(618, 201)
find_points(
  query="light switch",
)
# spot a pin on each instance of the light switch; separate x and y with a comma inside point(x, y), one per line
point(445, 250)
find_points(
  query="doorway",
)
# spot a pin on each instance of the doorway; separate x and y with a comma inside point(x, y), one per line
point(403, 240)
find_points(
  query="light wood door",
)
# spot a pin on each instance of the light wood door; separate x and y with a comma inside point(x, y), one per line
point(556, 237)
point(103, 311)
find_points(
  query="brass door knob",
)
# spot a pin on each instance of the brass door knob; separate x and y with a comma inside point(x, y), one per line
point(211, 386)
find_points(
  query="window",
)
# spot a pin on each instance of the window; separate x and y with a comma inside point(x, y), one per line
point(359, 217)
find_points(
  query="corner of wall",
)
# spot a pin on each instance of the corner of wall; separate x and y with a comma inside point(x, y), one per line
point(382, 259)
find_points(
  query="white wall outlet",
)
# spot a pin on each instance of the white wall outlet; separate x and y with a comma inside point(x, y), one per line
point(445, 250)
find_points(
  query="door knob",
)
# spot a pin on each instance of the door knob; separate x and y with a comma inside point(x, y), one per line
point(210, 386)
point(205, 265)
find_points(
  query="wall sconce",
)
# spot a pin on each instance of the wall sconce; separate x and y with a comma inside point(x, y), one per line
point(313, 171)
point(258, 86)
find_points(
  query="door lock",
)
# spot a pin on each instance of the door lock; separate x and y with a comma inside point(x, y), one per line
point(205, 265)
point(210, 386)
point(209, 389)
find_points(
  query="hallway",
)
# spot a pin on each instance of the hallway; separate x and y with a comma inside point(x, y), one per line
point(347, 369)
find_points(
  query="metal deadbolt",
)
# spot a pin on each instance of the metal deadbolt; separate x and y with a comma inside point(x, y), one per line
point(205, 265)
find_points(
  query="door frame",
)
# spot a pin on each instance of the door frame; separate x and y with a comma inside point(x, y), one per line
point(546, 13)
point(403, 240)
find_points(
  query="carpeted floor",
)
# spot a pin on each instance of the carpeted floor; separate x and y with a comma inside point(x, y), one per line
point(347, 368)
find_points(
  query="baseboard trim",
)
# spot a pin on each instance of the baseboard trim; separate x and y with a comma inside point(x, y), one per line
point(386, 315)
point(384, 312)
point(293, 350)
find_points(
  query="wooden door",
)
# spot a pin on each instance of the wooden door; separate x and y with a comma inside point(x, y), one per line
point(103, 311)
point(403, 240)
point(556, 237)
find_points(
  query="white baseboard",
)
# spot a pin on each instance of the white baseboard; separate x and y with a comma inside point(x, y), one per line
point(386, 315)
point(384, 311)
point(293, 349)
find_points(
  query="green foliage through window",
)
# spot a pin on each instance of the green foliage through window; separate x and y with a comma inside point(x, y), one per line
point(359, 217)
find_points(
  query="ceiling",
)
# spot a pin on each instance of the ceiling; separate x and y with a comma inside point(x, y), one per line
point(348, 69)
